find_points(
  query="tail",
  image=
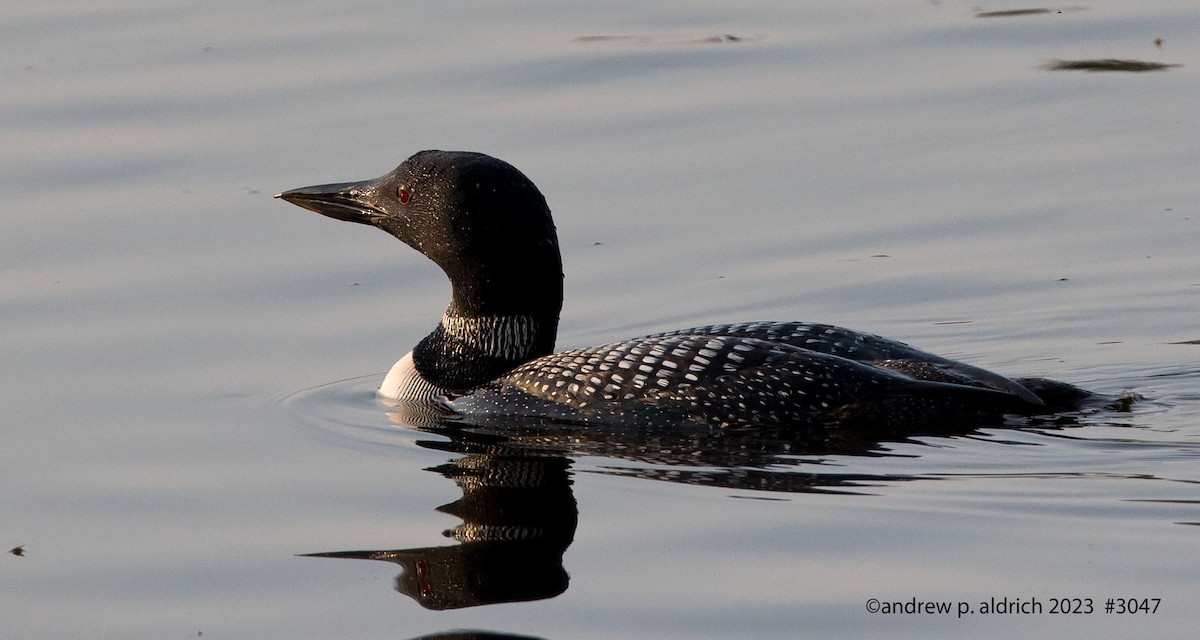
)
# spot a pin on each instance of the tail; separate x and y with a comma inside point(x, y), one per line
point(1061, 396)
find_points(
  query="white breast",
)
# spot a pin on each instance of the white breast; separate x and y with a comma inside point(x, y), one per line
point(405, 384)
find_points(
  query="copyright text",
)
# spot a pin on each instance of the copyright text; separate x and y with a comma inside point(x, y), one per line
point(1015, 606)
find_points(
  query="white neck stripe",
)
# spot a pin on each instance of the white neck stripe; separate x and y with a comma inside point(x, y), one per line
point(508, 337)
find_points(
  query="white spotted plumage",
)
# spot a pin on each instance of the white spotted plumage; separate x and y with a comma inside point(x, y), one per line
point(739, 381)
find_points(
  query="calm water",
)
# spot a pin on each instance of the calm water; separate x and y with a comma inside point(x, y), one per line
point(188, 364)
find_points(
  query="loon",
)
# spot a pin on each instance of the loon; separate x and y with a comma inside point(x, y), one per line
point(489, 229)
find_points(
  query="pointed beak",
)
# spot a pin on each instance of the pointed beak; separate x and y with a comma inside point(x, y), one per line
point(350, 201)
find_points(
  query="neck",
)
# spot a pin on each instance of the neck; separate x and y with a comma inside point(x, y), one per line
point(465, 351)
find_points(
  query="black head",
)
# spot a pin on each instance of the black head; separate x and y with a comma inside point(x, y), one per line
point(479, 218)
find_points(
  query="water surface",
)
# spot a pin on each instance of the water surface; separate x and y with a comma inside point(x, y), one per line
point(189, 364)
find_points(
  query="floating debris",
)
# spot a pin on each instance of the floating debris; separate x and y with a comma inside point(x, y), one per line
point(18, 551)
point(1107, 64)
point(1187, 342)
point(1010, 13)
point(664, 39)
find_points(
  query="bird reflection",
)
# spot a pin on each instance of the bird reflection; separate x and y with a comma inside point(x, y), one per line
point(519, 514)
point(518, 518)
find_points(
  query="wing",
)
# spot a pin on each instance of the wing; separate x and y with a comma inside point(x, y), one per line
point(719, 380)
point(867, 348)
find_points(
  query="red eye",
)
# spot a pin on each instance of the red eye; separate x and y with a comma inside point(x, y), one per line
point(405, 194)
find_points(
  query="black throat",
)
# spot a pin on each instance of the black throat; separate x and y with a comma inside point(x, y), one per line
point(465, 352)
